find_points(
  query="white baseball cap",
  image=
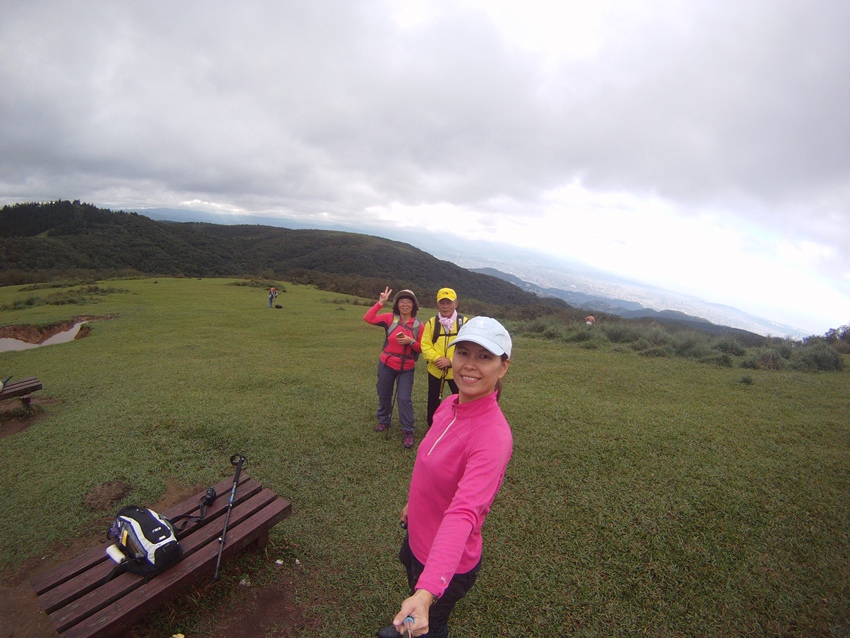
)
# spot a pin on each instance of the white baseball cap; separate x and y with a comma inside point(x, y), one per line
point(486, 332)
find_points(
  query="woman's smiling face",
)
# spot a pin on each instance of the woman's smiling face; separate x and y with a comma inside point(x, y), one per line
point(405, 305)
point(476, 370)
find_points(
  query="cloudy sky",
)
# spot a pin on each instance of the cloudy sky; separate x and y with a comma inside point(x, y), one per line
point(698, 145)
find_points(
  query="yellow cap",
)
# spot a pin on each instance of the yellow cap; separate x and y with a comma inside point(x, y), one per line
point(447, 293)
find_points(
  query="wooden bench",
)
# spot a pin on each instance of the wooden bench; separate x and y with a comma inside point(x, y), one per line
point(21, 389)
point(80, 605)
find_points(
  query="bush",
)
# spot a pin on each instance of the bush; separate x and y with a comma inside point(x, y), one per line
point(640, 345)
point(691, 345)
point(764, 360)
point(578, 336)
point(657, 336)
point(820, 357)
point(621, 332)
point(731, 346)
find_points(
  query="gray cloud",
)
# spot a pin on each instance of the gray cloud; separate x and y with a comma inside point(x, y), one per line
point(330, 106)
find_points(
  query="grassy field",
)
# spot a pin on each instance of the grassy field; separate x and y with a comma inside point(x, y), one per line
point(646, 497)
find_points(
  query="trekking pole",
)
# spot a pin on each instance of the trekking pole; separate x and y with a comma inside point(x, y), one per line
point(238, 460)
point(445, 370)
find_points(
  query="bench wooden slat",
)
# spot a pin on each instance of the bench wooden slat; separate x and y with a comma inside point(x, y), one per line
point(248, 522)
point(20, 388)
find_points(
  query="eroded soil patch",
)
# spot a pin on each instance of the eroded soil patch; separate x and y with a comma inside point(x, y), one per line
point(30, 333)
point(15, 418)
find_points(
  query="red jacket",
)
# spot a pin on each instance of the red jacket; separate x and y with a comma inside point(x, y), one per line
point(394, 352)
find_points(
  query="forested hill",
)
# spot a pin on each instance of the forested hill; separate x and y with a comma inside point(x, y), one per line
point(63, 236)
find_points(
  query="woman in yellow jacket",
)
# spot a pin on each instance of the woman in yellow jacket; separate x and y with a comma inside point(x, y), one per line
point(438, 333)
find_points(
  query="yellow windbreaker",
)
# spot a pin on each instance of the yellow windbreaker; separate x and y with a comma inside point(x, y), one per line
point(433, 350)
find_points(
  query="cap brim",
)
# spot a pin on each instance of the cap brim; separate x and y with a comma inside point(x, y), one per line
point(483, 342)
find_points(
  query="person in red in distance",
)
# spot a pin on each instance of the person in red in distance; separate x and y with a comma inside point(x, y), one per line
point(397, 363)
point(459, 468)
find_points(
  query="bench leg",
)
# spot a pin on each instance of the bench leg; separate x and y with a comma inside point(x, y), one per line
point(262, 540)
point(26, 400)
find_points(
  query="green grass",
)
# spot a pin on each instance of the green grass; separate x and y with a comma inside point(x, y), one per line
point(646, 496)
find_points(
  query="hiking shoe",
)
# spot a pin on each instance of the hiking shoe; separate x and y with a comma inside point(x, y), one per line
point(381, 427)
point(408, 443)
point(388, 632)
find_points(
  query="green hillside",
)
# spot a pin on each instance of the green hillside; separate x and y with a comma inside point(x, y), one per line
point(37, 239)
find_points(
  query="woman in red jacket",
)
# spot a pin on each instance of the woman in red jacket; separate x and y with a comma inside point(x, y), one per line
point(397, 364)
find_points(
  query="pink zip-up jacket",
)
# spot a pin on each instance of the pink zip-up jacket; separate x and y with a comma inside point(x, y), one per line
point(460, 465)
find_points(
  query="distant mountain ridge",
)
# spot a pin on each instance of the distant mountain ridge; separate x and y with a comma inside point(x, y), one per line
point(612, 306)
point(67, 235)
point(576, 282)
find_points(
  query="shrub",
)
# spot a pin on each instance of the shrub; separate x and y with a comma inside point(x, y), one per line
point(764, 360)
point(553, 332)
point(641, 344)
point(578, 336)
point(690, 345)
point(657, 336)
point(820, 357)
point(621, 332)
point(731, 346)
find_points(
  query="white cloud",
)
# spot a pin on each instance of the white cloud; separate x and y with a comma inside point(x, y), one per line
point(710, 135)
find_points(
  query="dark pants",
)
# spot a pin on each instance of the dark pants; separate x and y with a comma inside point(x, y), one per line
point(434, 398)
point(459, 585)
point(388, 379)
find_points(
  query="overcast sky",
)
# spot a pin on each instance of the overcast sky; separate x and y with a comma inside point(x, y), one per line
point(702, 145)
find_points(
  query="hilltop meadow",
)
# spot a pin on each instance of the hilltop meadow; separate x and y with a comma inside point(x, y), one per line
point(647, 495)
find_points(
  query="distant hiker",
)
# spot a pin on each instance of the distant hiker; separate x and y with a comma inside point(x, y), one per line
point(272, 295)
point(398, 359)
point(459, 468)
point(440, 331)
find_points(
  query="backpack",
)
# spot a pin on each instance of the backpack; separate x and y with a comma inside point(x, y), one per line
point(417, 326)
point(438, 325)
point(147, 541)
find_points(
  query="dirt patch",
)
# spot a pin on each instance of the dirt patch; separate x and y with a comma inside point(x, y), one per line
point(30, 333)
point(257, 612)
point(249, 612)
point(106, 495)
point(15, 418)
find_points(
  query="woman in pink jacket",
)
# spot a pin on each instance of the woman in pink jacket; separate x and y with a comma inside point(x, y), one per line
point(459, 469)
